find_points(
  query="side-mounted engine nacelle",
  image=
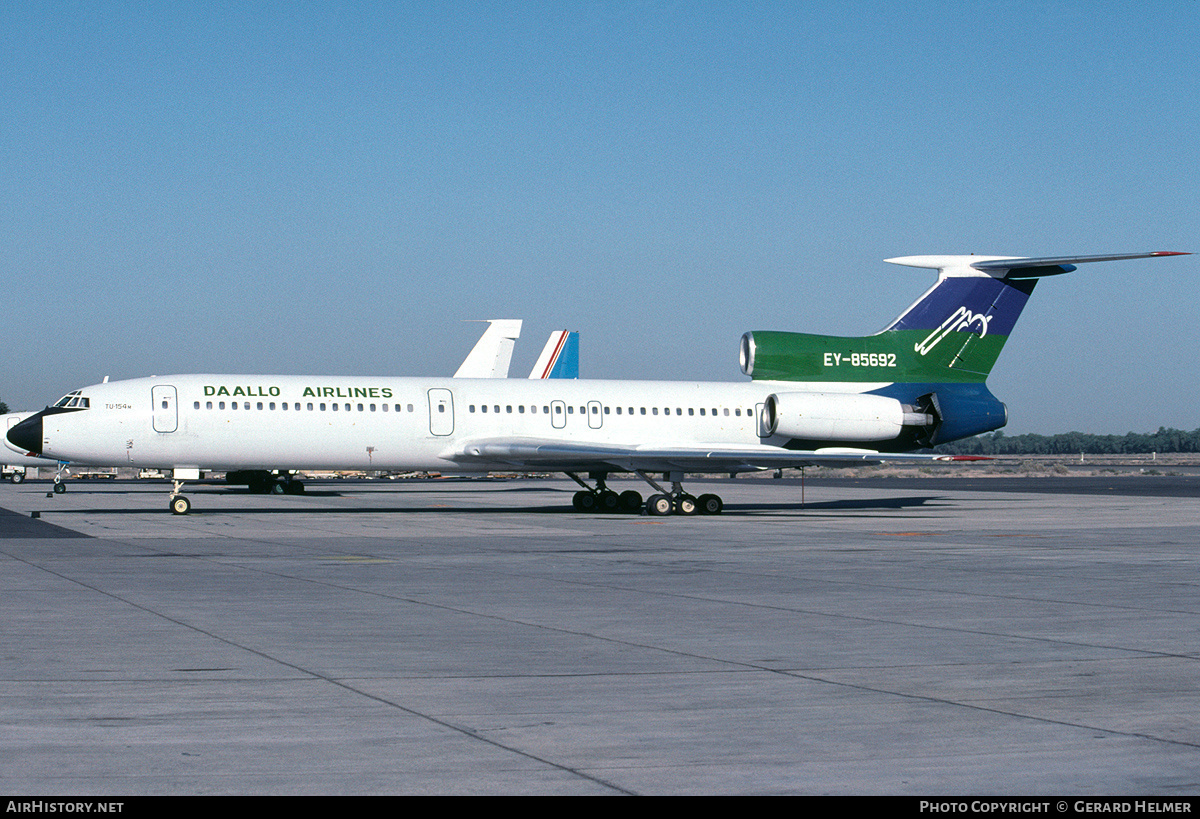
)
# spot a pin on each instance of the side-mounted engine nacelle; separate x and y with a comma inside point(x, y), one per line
point(840, 417)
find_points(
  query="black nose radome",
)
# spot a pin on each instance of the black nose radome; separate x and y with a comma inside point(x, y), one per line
point(27, 435)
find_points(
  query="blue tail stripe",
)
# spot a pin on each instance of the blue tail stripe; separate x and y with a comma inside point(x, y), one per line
point(566, 364)
point(997, 301)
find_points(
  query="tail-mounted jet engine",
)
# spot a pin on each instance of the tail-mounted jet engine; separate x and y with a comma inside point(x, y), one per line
point(858, 417)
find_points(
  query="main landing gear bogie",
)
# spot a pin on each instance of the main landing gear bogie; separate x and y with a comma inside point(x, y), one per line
point(587, 500)
point(675, 502)
point(684, 504)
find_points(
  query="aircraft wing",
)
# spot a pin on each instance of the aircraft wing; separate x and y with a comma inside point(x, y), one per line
point(560, 457)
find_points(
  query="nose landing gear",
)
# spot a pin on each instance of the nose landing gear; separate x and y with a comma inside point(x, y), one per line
point(59, 487)
point(180, 505)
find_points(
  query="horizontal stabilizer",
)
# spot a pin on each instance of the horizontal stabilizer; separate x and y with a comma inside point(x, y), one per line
point(1062, 261)
point(1025, 267)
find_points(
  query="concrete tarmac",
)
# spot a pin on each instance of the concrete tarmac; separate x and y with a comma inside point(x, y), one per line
point(431, 637)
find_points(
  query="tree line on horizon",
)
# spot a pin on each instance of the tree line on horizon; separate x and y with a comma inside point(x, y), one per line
point(1166, 440)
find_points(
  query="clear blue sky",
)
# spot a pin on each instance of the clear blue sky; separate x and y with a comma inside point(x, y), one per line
point(335, 187)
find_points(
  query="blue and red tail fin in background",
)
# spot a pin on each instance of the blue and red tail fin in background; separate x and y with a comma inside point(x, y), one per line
point(560, 356)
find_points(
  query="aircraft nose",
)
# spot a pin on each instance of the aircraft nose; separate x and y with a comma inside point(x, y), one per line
point(27, 435)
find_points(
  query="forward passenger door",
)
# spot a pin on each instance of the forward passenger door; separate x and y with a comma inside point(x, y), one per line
point(441, 412)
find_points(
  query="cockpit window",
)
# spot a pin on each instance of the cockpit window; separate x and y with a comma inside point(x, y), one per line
point(73, 400)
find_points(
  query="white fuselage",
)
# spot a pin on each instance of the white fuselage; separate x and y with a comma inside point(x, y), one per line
point(228, 422)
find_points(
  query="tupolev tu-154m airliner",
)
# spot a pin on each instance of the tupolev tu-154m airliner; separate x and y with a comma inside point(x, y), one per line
point(810, 400)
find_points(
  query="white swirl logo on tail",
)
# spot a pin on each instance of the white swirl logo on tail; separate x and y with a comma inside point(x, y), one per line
point(960, 319)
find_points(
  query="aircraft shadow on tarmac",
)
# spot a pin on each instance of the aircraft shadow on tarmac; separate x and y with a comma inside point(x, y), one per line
point(835, 505)
point(733, 509)
point(15, 525)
